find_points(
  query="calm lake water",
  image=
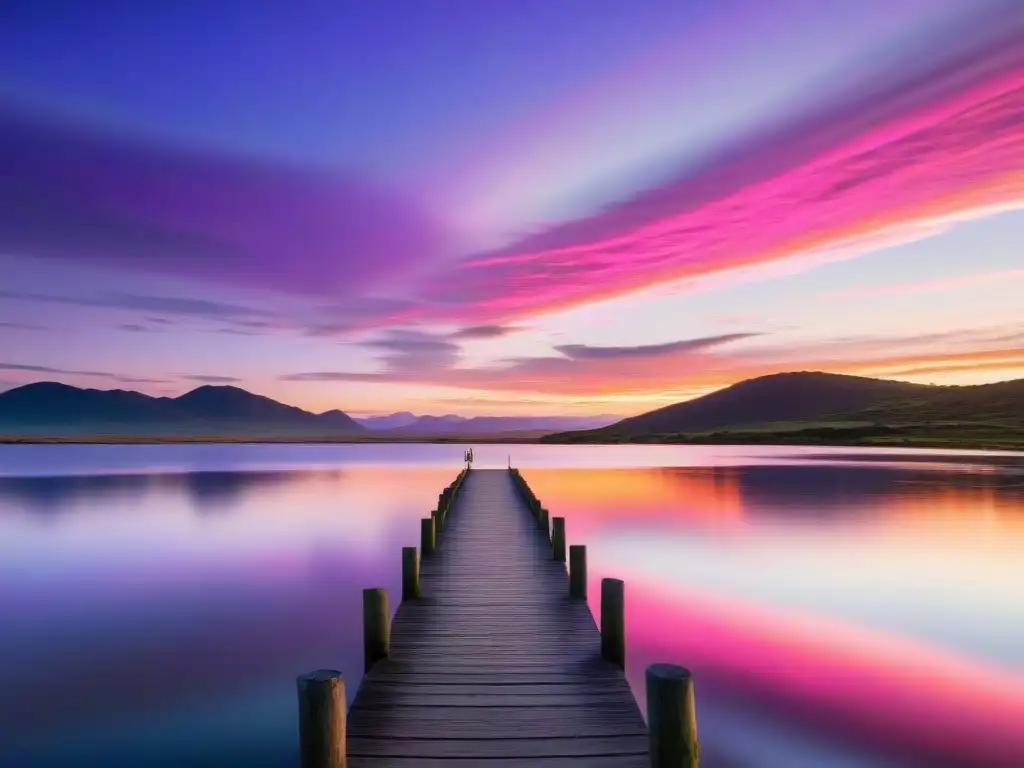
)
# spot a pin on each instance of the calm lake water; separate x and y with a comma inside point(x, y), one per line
point(837, 607)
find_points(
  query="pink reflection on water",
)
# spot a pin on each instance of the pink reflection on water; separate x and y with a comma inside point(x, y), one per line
point(855, 681)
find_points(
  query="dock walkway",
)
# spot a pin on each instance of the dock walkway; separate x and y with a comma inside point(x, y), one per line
point(495, 660)
point(489, 661)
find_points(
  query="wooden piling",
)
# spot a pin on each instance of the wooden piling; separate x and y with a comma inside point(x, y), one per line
point(322, 719)
point(545, 525)
point(410, 573)
point(427, 538)
point(376, 629)
point(613, 621)
point(578, 571)
point(671, 717)
point(558, 539)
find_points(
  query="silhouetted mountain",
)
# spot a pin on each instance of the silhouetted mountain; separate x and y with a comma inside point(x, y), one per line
point(52, 408)
point(231, 404)
point(790, 400)
point(49, 403)
point(391, 421)
point(340, 420)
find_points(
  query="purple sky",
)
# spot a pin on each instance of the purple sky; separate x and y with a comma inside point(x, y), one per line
point(508, 206)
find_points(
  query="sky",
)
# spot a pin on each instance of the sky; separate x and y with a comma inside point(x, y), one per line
point(515, 207)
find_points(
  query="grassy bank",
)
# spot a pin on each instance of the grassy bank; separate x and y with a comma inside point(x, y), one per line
point(953, 435)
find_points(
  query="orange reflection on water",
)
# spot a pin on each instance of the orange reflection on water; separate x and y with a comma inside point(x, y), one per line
point(594, 497)
point(731, 498)
point(946, 502)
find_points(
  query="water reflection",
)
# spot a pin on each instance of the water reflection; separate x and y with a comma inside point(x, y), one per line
point(837, 610)
point(732, 496)
point(864, 690)
point(846, 614)
point(206, 492)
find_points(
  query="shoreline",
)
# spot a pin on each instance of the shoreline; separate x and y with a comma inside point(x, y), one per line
point(762, 440)
point(253, 440)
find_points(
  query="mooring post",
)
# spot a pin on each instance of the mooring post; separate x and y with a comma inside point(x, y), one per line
point(578, 571)
point(322, 719)
point(671, 717)
point(613, 621)
point(545, 523)
point(376, 629)
point(558, 539)
point(427, 536)
point(410, 573)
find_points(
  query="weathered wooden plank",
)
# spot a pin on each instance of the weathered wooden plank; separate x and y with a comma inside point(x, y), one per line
point(381, 699)
point(499, 676)
point(529, 722)
point(577, 686)
point(511, 761)
point(569, 746)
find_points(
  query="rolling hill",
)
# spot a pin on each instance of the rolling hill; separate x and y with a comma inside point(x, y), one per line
point(826, 407)
point(48, 408)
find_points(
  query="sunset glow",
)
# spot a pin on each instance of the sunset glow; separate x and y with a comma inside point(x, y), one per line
point(483, 222)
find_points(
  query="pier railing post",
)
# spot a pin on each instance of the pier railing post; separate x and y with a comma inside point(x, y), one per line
point(427, 536)
point(322, 719)
point(410, 573)
point(613, 621)
point(376, 627)
point(558, 539)
point(544, 524)
point(578, 571)
point(671, 717)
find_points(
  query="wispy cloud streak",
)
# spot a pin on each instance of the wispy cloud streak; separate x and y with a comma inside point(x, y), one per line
point(73, 194)
point(690, 366)
point(585, 352)
point(944, 142)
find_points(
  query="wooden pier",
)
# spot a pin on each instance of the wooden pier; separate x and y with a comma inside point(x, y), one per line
point(493, 657)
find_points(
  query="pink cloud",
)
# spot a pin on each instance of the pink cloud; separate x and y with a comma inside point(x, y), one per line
point(933, 150)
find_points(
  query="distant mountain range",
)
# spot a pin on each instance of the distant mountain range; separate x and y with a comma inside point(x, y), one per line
point(808, 407)
point(50, 408)
point(406, 423)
